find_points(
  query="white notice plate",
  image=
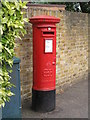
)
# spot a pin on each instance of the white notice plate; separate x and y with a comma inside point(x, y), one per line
point(48, 46)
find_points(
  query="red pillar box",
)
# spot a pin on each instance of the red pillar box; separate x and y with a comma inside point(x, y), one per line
point(44, 62)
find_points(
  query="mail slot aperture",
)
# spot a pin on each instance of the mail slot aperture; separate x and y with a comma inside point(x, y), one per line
point(48, 33)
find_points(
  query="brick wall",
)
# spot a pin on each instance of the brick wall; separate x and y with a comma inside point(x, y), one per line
point(72, 50)
point(47, 6)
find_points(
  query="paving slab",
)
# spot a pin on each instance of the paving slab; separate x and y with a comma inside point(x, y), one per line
point(73, 103)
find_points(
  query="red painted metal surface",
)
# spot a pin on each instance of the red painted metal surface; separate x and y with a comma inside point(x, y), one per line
point(44, 52)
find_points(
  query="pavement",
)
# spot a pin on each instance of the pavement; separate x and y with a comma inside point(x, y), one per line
point(73, 103)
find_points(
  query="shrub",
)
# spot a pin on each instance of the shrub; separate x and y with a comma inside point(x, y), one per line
point(12, 25)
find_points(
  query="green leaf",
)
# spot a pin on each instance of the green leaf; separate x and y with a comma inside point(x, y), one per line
point(2, 103)
point(1, 71)
point(1, 79)
point(25, 19)
point(9, 93)
point(1, 13)
point(8, 50)
point(24, 4)
point(4, 20)
point(11, 12)
point(10, 62)
point(17, 6)
point(0, 47)
point(1, 30)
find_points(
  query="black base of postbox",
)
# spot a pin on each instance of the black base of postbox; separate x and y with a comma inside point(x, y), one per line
point(43, 101)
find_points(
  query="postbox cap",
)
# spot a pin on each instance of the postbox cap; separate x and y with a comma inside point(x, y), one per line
point(44, 19)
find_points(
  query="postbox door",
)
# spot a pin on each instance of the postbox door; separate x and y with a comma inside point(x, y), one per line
point(48, 59)
point(49, 63)
point(49, 67)
point(44, 60)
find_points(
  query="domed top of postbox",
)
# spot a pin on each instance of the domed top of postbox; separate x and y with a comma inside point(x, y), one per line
point(44, 19)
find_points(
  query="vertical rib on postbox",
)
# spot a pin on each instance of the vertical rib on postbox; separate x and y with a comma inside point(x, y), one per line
point(44, 62)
